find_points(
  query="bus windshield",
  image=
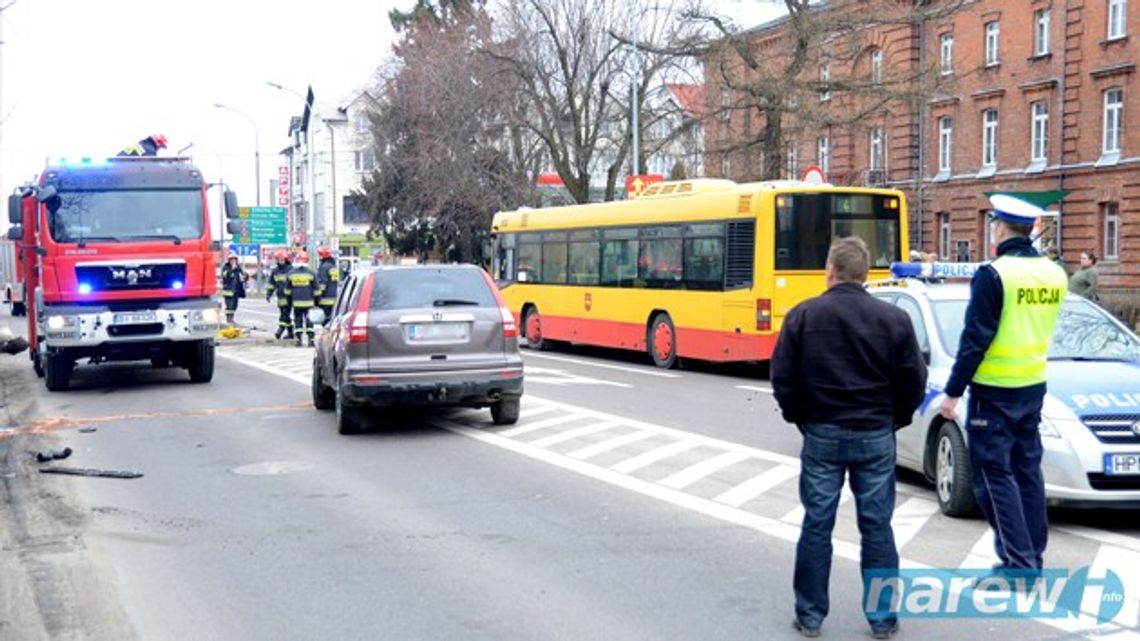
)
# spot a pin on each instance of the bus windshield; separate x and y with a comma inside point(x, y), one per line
point(806, 223)
point(126, 215)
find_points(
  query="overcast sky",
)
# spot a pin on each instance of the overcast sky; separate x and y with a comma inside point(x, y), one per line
point(88, 77)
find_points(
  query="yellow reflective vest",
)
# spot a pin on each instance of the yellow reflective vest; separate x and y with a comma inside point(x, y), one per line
point(1032, 291)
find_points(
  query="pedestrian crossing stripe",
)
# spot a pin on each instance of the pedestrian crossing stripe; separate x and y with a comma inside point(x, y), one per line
point(623, 451)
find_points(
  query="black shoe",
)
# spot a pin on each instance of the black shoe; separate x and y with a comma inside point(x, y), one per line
point(278, 334)
point(804, 630)
point(884, 631)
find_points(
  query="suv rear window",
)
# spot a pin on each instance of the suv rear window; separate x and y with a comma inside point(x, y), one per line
point(409, 288)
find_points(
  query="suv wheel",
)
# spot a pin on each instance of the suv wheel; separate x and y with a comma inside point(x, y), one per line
point(952, 480)
point(350, 419)
point(324, 397)
point(505, 411)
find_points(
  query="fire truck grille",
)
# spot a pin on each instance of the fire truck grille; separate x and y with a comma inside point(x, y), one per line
point(101, 278)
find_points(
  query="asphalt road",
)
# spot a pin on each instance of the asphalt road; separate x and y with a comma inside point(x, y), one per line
point(628, 503)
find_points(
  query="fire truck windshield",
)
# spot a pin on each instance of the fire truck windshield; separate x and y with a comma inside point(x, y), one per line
point(126, 215)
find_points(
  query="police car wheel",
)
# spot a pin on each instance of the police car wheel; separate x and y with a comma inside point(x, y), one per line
point(952, 479)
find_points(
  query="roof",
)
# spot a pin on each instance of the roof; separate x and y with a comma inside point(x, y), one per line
point(691, 97)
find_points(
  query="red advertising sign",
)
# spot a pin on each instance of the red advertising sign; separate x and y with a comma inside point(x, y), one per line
point(634, 185)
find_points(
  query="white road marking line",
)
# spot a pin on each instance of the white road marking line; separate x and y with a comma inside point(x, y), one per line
point(530, 410)
point(534, 427)
point(570, 435)
point(707, 467)
point(982, 555)
point(304, 380)
point(620, 368)
point(757, 485)
point(653, 456)
point(756, 388)
point(1102, 536)
point(909, 517)
point(610, 444)
point(797, 514)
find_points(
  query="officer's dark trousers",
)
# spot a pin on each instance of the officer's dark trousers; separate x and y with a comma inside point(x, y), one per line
point(867, 459)
point(285, 319)
point(231, 308)
point(304, 326)
point(1005, 457)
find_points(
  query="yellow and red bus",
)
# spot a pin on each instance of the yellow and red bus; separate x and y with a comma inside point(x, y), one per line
point(704, 269)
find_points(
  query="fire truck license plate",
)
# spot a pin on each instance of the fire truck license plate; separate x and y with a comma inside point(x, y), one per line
point(133, 318)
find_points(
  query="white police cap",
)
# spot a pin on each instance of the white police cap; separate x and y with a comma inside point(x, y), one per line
point(1015, 210)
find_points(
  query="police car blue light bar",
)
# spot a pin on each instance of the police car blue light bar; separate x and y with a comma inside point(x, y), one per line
point(934, 270)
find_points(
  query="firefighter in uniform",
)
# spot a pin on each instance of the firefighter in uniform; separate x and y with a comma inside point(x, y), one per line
point(279, 284)
point(148, 146)
point(328, 282)
point(1014, 302)
point(303, 292)
point(233, 285)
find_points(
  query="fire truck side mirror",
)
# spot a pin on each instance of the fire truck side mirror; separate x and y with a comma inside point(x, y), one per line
point(15, 209)
point(46, 193)
point(15, 232)
point(231, 205)
point(234, 228)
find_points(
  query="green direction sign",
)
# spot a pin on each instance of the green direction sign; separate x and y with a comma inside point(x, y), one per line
point(262, 226)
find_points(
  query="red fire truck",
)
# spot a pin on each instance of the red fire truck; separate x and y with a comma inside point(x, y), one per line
point(12, 275)
point(117, 265)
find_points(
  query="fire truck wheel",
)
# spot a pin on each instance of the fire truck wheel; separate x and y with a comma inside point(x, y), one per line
point(37, 365)
point(57, 371)
point(202, 362)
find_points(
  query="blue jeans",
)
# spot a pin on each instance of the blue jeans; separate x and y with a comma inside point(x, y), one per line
point(829, 453)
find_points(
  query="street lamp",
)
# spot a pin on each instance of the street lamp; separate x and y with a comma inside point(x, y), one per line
point(311, 157)
point(256, 147)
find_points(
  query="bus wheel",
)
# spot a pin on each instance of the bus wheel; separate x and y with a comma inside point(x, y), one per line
point(532, 323)
point(662, 341)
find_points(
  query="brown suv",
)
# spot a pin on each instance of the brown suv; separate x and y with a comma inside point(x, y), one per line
point(418, 335)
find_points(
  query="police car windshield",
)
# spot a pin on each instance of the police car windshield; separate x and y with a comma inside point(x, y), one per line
point(1083, 332)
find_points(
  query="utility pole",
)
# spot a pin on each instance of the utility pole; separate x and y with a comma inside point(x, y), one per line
point(634, 106)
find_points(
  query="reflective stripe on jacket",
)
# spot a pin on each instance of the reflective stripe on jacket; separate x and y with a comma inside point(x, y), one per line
point(328, 279)
point(302, 286)
point(1032, 291)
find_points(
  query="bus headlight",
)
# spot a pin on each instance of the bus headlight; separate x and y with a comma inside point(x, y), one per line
point(1047, 428)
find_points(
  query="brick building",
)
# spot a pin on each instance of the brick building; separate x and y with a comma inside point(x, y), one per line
point(1030, 97)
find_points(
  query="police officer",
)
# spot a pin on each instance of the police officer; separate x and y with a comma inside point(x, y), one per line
point(279, 284)
point(303, 291)
point(328, 282)
point(1014, 302)
point(233, 285)
point(148, 146)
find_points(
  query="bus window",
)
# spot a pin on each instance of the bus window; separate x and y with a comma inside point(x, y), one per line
point(704, 263)
point(529, 258)
point(585, 255)
point(504, 257)
point(619, 257)
point(659, 263)
point(554, 257)
point(806, 224)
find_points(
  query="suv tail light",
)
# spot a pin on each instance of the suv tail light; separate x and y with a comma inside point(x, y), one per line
point(510, 328)
point(358, 327)
point(763, 314)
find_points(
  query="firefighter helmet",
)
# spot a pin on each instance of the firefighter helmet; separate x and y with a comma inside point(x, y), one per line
point(159, 141)
point(282, 255)
point(324, 252)
point(303, 257)
point(232, 256)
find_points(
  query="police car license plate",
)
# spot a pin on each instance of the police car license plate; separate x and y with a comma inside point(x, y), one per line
point(422, 332)
point(133, 318)
point(1122, 464)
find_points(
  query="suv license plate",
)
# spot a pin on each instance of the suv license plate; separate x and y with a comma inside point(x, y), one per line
point(133, 318)
point(1122, 464)
point(420, 332)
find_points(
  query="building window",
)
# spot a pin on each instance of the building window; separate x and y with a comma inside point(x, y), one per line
point(993, 33)
point(352, 213)
point(944, 236)
point(945, 144)
point(364, 160)
point(1111, 231)
point(823, 154)
point(989, 137)
point(1041, 32)
point(877, 67)
point(725, 104)
point(1039, 144)
point(877, 149)
point(1117, 16)
point(361, 122)
point(793, 162)
point(824, 83)
point(1113, 118)
point(947, 54)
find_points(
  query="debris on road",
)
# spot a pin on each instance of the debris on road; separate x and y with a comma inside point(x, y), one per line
point(53, 455)
point(87, 430)
point(82, 471)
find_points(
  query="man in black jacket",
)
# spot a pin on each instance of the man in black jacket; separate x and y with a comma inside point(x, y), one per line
point(848, 372)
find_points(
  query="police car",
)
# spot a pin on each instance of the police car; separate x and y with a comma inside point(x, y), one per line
point(1090, 421)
